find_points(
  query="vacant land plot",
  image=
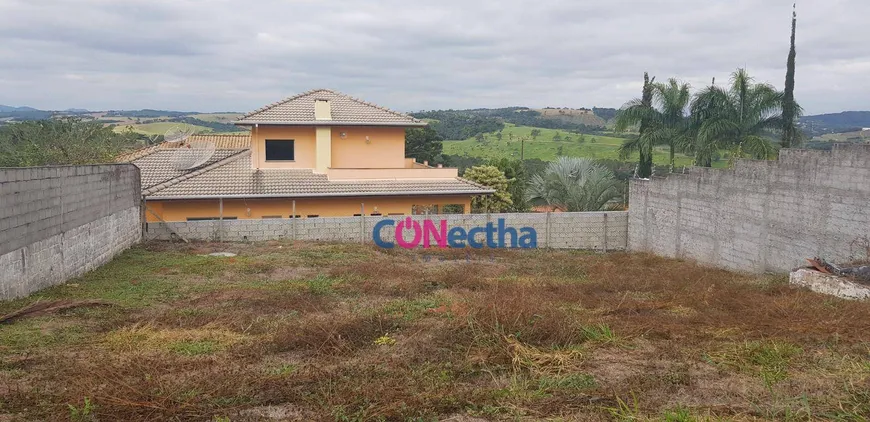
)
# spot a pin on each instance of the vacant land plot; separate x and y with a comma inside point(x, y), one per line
point(349, 332)
point(552, 143)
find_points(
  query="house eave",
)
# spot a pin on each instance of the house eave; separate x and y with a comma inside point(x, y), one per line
point(317, 195)
point(327, 123)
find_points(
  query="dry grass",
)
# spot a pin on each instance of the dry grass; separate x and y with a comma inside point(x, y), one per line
point(347, 332)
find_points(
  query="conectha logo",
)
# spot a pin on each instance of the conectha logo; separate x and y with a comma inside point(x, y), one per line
point(455, 237)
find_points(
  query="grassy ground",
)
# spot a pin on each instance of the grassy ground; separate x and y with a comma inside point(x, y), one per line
point(218, 117)
point(545, 148)
point(859, 136)
point(160, 128)
point(349, 332)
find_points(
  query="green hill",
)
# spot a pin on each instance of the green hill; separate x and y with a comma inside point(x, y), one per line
point(546, 148)
point(160, 128)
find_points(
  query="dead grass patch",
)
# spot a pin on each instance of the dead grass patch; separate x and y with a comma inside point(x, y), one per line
point(319, 331)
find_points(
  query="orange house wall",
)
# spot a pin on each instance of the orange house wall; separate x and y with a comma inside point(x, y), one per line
point(385, 148)
point(304, 154)
point(181, 210)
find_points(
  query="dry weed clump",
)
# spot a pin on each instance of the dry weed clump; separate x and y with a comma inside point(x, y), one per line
point(319, 331)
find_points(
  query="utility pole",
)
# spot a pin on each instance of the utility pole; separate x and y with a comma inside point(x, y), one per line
point(523, 148)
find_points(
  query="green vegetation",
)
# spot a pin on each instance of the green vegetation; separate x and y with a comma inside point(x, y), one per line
point(61, 141)
point(218, 117)
point(790, 109)
point(464, 124)
point(160, 128)
point(660, 114)
point(640, 112)
point(423, 144)
point(740, 119)
point(517, 141)
point(574, 184)
point(494, 178)
point(518, 176)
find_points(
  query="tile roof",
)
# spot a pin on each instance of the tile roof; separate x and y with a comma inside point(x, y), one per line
point(234, 177)
point(158, 166)
point(221, 141)
point(346, 110)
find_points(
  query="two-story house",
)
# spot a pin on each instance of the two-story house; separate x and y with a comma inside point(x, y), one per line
point(316, 154)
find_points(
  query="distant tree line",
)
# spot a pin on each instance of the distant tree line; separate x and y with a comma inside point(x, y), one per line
point(605, 113)
point(215, 126)
point(464, 124)
point(460, 124)
point(27, 115)
point(146, 113)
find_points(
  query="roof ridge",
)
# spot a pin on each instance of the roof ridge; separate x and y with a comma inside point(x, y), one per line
point(222, 134)
point(197, 172)
point(333, 92)
point(474, 183)
point(277, 103)
point(370, 104)
point(137, 153)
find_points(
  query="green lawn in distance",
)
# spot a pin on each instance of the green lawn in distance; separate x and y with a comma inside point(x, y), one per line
point(545, 148)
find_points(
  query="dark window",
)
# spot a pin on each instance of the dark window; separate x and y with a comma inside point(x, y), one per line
point(271, 216)
point(280, 150)
point(376, 214)
point(396, 213)
point(296, 216)
point(209, 218)
point(313, 215)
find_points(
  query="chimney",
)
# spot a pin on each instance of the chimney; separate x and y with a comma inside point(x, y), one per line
point(440, 166)
point(425, 163)
point(322, 110)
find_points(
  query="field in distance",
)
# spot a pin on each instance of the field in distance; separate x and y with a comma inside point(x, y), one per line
point(550, 144)
point(160, 128)
point(218, 117)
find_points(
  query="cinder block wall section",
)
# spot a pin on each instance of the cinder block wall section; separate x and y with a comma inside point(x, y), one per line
point(760, 216)
point(57, 223)
point(569, 230)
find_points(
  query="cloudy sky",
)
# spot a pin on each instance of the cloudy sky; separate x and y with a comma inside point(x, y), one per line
point(217, 55)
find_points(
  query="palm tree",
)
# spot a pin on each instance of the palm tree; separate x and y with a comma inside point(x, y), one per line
point(637, 112)
point(664, 120)
point(574, 184)
point(739, 118)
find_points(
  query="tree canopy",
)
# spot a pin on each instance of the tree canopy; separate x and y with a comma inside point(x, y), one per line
point(492, 177)
point(741, 118)
point(66, 141)
point(661, 113)
point(423, 143)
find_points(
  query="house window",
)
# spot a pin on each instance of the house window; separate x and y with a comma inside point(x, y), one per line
point(313, 215)
point(271, 216)
point(280, 150)
point(209, 218)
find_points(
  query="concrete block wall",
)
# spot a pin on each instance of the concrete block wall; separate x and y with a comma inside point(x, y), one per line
point(760, 216)
point(556, 230)
point(57, 223)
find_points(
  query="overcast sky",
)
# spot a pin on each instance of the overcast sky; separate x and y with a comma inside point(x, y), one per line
point(215, 55)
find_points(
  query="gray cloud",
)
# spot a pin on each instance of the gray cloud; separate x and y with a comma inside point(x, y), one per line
point(230, 55)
